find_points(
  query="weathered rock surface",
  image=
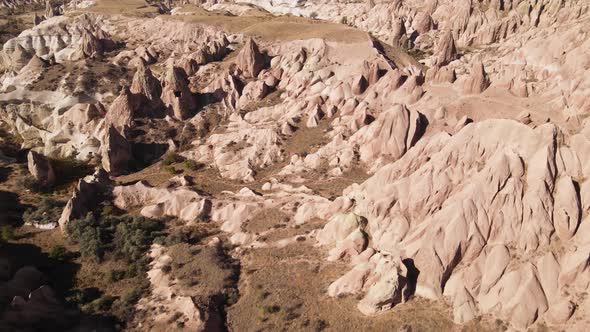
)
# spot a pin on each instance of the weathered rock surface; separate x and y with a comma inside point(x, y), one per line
point(88, 194)
point(41, 169)
point(250, 60)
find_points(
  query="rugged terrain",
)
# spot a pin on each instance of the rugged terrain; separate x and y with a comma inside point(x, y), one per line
point(411, 165)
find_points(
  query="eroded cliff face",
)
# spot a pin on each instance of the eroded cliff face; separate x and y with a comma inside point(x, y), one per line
point(409, 153)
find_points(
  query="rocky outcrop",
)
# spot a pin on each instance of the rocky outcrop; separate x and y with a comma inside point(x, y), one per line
point(390, 135)
point(116, 152)
point(178, 201)
point(477, 81)
point(49, 9)
point(176, 94)
point(89, 192)
point(435, 226)
point(122, 111)
point(145, 83)
point(31, 301)
point(41, 169)
point(445, 49)
point(250, 60)
point(89, 45)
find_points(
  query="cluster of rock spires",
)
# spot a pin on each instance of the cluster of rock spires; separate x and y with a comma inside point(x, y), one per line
point(476, 192)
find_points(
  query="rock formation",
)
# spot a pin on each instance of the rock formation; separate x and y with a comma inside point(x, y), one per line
point(88, 194)
point(445, 49)
point(366, 159)
point(477, 81)
point(41, 169)
point(116, 152)
point(250, 61)
point(176, 94)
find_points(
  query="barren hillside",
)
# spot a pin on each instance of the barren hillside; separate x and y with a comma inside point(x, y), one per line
point(395, 165)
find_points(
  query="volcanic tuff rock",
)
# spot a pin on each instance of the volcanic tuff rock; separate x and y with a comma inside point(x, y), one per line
point(477, 81)
point(41, 169)
point(250, 61)
point(86, 197)
point(176, 94)
point(442, 156)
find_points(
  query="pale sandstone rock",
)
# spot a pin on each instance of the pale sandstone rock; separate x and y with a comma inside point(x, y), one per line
point(445, 49)
point(250, 60)
point(176, 94)
point(122, 111)
point(157, 203)
point(116, 152)
point(85, 197)
point(478, 80)
point(40, 168)
point(145, 84)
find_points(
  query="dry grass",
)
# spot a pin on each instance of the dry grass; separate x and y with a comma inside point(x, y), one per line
point(124, 7)
point(286, 289)
point(270, 28)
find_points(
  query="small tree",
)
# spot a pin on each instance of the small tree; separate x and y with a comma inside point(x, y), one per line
point(7, 233)
point(58, 253)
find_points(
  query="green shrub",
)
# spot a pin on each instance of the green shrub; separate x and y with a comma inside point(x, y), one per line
point(166, 268)
point(104, 303)
point(191, 165)
point(89, 234)
point(134, 235)
point(7, 233)
point(58, 253)
point(186, 234)
point(83, 296)
point(48, 211)
point(125, 236)
point(115, 275)
point(172, 170)
point(171, 158)
point(132, 296)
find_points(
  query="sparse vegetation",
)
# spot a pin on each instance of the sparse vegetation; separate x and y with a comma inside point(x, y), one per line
point(187, 234)
point(171, 158)
point(172, 171)
point(126, 236)
point(58, 252)
point(7, 233)
point(48, 211)
point(191, 165)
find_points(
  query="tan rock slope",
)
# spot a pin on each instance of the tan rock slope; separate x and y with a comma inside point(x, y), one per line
point(425, 151)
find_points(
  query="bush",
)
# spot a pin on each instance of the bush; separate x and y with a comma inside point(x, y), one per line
point(83, 296)
point(166, 268)
point(172, 170)
point(7, 233)
point(58, 253)
point(134, 235)
point(171, 158)
point(187, 234)
point(191, 165)
point(126, 236)
point(89, 234)
point(115, 275)
point(48, 211)
point(102, 304)
point(131, 297)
